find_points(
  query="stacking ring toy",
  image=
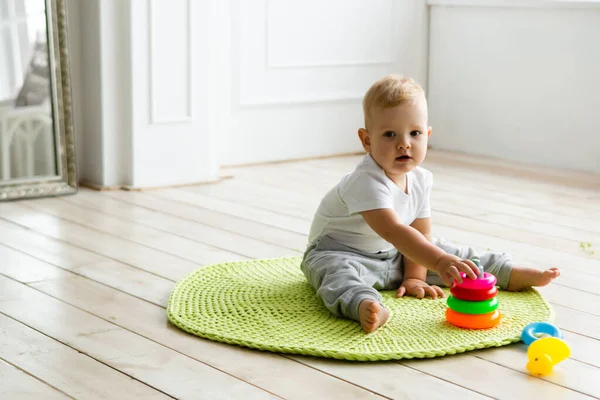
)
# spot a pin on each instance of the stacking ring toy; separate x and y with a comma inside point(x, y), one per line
point(472, 307)
point(529, 332)
point(478, 321)
point(473, 295)
point(484, 283)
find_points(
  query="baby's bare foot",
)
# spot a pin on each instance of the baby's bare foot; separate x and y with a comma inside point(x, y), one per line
point(524, 277)
point(372, 315)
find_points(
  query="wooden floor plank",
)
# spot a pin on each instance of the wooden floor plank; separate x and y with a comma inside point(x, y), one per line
point(246, 236)
point(54, 363)
point(442, 197)
point(132, 314)
point(393, 379)
point(577, 321)
point(572, 298)
point(15, 384)
point(569, 374)
point(586, 283)
point(570, 246)
point(160, 239)
point(237, 209)
point(520, 252)
point(269, 234)
point(262, 197)
point(466, 207)
point(584, 349)
point(578, 235)
point(533, 238)
point(518, 186)
point(131, 280)
point(303, 209)
point(266, 370)
point(137, 281)
point(121, 349)
point(149, 321)
point(543, 176)
point(483, 378)
point(25, 268)
point(88, 295)
point(470, 181)
point(513, 189)
point(43, 247)
point(116, 255)
point(119, 249)
point(551, 180)
point(448, 191)
point(582, 207)
point(569, 210)
point(77, 291)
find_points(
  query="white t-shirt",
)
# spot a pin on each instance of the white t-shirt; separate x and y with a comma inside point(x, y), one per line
point(369, 188)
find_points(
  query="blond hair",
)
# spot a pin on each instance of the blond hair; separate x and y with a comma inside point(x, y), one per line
point(390, 91)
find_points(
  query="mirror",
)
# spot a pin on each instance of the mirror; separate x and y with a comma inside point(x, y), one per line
point(37, 152)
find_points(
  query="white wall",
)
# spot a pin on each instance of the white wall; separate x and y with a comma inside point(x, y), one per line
point(291, 74)
point(267, 88)
point(167, 97)
point(517, 81)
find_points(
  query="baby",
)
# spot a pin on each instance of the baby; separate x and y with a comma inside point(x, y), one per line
point(372, 231)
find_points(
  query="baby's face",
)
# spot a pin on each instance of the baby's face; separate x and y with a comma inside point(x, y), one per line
point(397, 137)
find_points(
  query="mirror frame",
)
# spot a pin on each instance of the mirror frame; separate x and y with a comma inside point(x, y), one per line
point(65, 182)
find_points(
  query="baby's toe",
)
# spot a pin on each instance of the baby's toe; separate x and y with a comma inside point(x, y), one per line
point(374, 307)
point(554, 272)
point(368, 326)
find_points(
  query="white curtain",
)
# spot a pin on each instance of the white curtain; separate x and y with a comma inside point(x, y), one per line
point(19, 23)
point(26, 135)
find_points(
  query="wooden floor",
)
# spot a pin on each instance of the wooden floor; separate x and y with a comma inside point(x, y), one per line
point(84, 281)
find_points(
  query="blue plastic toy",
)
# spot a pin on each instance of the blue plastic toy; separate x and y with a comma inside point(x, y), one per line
point(530, 331)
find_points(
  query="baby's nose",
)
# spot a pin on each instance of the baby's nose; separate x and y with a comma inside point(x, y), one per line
point(403, 143)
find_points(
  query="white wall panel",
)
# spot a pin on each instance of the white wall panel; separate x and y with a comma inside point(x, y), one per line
point(294, 72)
point(170, 36)
point(172, 143)
point(307, 51)
point(330, 33)
point(520, 84)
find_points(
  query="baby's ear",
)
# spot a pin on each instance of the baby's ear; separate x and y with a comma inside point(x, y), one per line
point(363, 134)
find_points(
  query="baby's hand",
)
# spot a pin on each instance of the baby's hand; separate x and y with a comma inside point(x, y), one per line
point(419, 289)
point(449, 267)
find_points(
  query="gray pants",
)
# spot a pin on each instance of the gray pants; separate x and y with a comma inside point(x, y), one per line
point(343, 276)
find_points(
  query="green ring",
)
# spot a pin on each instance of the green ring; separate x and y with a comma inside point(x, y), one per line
point(473, 307)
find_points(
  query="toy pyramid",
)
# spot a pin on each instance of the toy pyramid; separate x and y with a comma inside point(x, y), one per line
point(473, 303)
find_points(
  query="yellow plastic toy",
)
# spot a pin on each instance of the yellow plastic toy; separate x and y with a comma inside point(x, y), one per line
point(545, 353)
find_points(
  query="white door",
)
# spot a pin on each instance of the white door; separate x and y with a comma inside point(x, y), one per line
point(171, 142)
point(289, 75)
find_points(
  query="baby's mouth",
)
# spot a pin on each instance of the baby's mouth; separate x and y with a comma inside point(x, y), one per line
point(403, 158)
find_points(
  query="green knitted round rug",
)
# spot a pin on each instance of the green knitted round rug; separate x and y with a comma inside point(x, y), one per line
point(268, 305)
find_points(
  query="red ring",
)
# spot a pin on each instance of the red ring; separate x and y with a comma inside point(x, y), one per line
point(473, 295)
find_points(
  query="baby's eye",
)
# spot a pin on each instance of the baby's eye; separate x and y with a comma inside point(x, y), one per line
point(389, 134)
point(415, 133)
